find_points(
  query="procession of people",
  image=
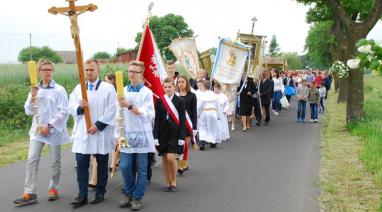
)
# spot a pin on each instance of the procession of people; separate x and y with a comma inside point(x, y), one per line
point(199, 118)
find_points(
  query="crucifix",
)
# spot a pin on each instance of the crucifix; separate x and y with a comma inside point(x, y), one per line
point(254, 19)
point(72, 12)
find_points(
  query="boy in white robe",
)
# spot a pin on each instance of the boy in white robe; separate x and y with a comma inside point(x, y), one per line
point(98, 140)
point(139, 113)
point(53, 116)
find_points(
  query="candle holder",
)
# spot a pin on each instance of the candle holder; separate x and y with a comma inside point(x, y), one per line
point(123, 142)
point(37, 116)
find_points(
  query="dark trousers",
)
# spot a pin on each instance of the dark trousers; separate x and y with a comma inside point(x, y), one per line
point(257, 110)
point(301, 108)
point(322, 104)
point(83, 161)
point(288, 98)
point(267, 113)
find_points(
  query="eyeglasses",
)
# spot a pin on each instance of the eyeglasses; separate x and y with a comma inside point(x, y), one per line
point(134, 72)
point(46, 70)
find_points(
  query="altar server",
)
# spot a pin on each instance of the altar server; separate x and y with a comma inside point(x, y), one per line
point(48, 127)
point(98, 139)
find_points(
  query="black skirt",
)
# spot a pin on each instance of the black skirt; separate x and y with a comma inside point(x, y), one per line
point(246, 104)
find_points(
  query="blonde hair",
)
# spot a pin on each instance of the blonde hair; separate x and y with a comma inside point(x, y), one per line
point(138, 63)
point(92, 61)
point(42, 62)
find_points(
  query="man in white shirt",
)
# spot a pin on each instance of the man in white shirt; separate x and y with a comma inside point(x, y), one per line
point(52, 118)
point(98, 139)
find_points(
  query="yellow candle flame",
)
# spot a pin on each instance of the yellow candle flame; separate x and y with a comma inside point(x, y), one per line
point(119, 81)
point(32, 72)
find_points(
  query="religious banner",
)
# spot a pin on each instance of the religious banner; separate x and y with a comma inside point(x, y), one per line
point(230, 61)
point(186, 53)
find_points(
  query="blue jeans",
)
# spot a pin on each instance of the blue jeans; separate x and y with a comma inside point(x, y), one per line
point(276, 105)
point(83, 161)
point(301, 108)
point(313, 111)
point(135, 186)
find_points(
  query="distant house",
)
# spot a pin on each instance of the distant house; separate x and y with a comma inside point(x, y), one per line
point(68, 57)
point(127, 56)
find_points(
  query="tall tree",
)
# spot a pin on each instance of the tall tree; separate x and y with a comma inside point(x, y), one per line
point(165, 29)
point(352, 21)
point(39, 53)
point(274, 49)
point(294, 60)
point(318, 43)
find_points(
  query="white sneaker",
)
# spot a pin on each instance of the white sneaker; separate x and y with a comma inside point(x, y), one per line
point(276, 113)
point(311, 120)
point(232, 128)
point(315, 120)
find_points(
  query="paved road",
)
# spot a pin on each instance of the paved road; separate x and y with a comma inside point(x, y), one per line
point(269, 168)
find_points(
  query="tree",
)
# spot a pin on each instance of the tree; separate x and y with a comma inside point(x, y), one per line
point(352, 21)
point(165, 29)
point(39, 53)
point(318, 45)
point(294, 60)
point(274, 49)
point(101, 55)
point(120, 50)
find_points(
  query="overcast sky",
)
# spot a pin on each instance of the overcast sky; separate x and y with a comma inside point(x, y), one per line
point(116, 22)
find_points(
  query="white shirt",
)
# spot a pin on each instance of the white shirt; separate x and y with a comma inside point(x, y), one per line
point(53, 109)
point(138, 128)
point(102, 106)
point(278, 84)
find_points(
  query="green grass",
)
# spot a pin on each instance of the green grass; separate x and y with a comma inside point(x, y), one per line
point(351, 160)
point(14, 88)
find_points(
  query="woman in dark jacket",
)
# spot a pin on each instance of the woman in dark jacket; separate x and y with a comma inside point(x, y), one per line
point(190, 102)
point(246, 101)
point(169, 133)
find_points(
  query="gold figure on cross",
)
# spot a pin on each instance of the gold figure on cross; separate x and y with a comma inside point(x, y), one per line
point(72, 12)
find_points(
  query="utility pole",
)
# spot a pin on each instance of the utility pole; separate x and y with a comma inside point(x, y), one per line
point(30, 45)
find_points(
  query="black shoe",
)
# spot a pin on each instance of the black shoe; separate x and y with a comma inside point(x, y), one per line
point(92, 186)
point(166, 189)
point(97, 199)
point(26, 199)
point(258, 124)
point(213, 145)
point(173, 189)
point(180, 171)
point(201, 147)
point(79, 202)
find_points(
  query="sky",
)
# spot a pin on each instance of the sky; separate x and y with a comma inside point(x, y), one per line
point(116, 22)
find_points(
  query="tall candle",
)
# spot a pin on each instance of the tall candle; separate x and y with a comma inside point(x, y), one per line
point(32, 72)
point(119, 81)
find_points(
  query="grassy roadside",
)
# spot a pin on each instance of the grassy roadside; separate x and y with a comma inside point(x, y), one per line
point(18, 150)
point(346, 184)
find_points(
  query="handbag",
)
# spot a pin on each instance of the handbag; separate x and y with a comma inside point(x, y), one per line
point(284, 102)
point(289, 90)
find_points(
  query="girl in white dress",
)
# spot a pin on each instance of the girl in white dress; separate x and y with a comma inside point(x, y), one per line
point(223, 134)
point(208, 110)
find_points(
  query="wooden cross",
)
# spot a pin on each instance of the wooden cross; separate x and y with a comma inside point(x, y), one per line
point(72, 12)
point(254, 19)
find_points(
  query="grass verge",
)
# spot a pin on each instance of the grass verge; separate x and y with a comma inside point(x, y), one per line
point(345, 183)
